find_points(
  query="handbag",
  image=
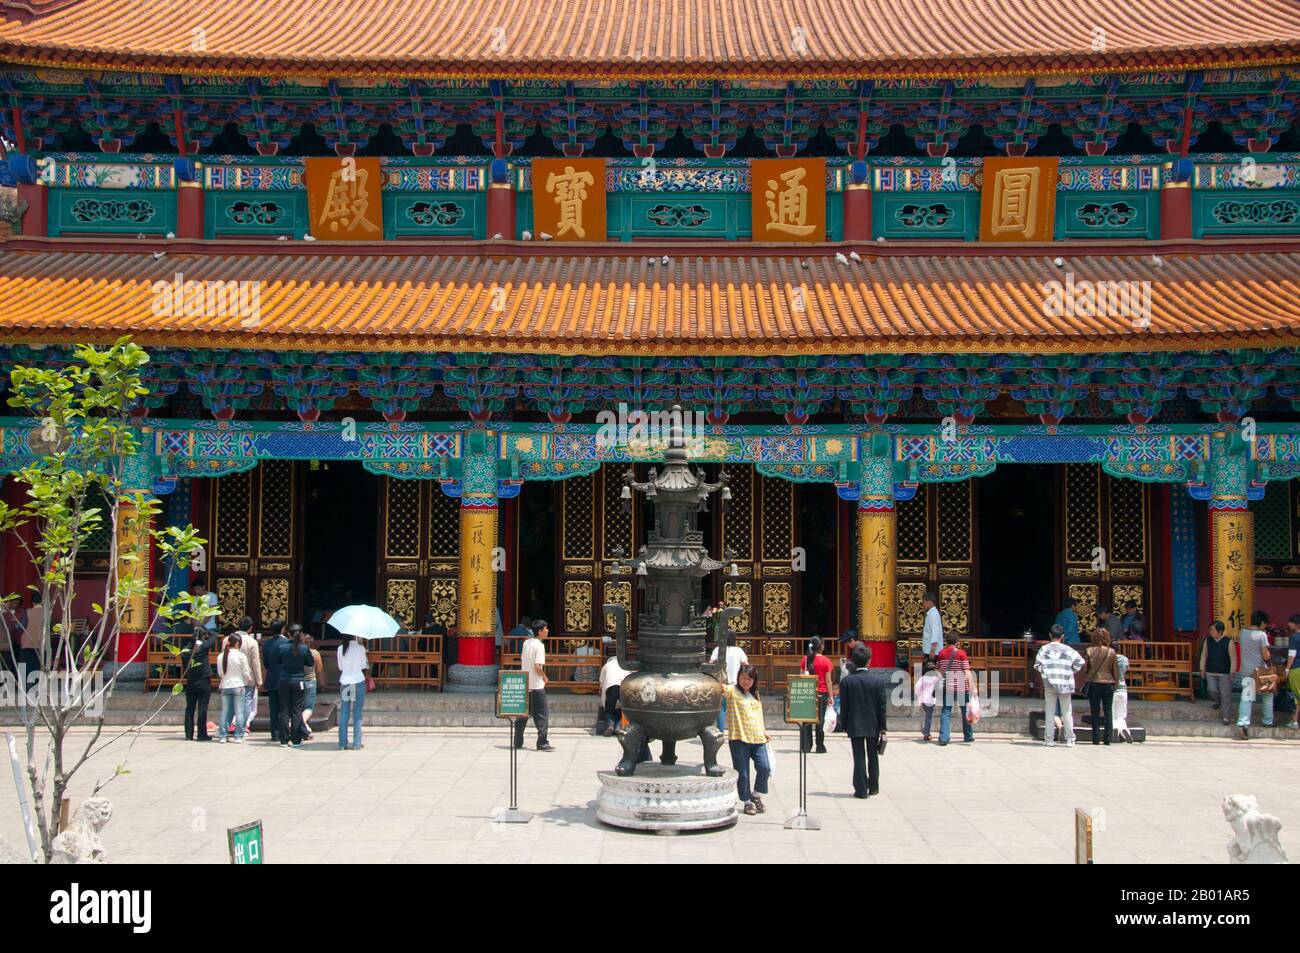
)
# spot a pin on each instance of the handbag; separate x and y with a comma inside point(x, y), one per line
point(1266, 680)
point(880, 745)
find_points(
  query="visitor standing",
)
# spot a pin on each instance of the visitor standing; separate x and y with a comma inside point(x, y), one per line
point(611, 678)
point(314, 674)
point(1057, 662)
point(1131, 615)
point(11, 630)
point(235, 676)
point(204, 605)
point(248, 644)
point(516, 637)
point(927, 690)
point(533, 661)
point(197, 663)
point(295, 660)
point(735, 657)
point(816, 663)
point(1068, 620)
point(1218, 663)
point(864, 700)
point(1102, 677)
point(747, 738)
point(1255, 652)
point(958, 688)
point(1106, 620)
point(932, 639)
point(1292, 670)
point(275, 644)
point(354, 682)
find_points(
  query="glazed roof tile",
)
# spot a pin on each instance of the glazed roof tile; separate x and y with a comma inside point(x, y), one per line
point(649, 38)
point(508, 296)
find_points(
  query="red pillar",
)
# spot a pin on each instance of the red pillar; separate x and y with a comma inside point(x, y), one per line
point(857, 213)
point(189, 210)
point(37, 217)
point(501, 210)
point(1176, 201)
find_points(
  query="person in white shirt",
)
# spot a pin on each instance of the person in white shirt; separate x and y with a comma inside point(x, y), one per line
point(248, 644)
point(204, 604)
point(736, 657)
point(236, 675)
point(532, 660)
point(932, 634)
point(353, 680)
point(611, 677)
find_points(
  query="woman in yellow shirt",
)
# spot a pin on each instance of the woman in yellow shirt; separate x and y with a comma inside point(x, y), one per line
point(747, 738)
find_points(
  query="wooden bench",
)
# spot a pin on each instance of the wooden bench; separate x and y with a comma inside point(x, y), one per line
point(777, 658)
point(572, 662)
point(407, 661)
point(1008, 658)
point(1158, 668)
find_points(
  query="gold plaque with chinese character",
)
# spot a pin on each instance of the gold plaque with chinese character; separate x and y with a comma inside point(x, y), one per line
point(789, 197)
point(569, 199)
point(1018, 201)
point(343, 199)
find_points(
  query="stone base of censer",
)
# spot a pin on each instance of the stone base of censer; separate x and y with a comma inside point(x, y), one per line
point(667, 798)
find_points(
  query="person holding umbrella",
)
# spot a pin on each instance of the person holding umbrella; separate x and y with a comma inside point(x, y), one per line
point(353, 624)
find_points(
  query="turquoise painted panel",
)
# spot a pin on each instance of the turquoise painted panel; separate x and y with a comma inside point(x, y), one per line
point(524, 213)
point(435, 214)
point(1276, 212)
point(112, 211)
point(835, 216)
point(951, 215)
point(228, 214)
point(1108, 214)
point(675, 215)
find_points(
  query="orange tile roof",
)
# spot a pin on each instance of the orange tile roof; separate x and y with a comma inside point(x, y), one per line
point(649, 38)
point(514, 297)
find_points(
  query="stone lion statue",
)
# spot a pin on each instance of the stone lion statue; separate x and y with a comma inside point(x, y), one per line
point(1255, 835)
point(80, 843)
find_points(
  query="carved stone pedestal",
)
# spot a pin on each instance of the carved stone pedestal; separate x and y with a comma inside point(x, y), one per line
point(663, 798)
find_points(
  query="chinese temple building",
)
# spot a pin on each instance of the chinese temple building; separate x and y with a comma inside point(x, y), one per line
point(994, 300)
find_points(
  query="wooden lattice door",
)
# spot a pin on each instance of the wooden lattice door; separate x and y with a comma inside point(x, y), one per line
point(936, 553)
point(593, 528)
point(759, 529)
point(418, 568)
point(1107, 523)
point(254, 519)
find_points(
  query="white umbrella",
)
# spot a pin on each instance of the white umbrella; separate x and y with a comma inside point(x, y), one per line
point(364, 622)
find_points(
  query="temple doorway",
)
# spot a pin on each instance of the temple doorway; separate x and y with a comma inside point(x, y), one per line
point(339, 539)
point(818, 528)
point(1017, 550)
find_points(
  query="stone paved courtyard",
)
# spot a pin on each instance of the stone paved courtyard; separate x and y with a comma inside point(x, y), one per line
point(420, 795)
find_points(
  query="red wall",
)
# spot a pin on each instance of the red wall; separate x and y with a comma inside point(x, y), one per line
point(1278, 601)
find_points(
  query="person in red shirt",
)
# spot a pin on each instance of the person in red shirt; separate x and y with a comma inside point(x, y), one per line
point(815, 663)
point(958, 687)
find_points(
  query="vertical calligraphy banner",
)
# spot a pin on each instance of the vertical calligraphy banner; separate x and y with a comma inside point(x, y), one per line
point(569, 199)
point(789, 200)
point(877, 554)
point(344, 202)
point(1232, 549)
point(478, 536)
point(138, 571)
point(1018, 200)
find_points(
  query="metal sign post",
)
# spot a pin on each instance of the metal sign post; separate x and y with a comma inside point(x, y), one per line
point(801, 709)
point(512, 702)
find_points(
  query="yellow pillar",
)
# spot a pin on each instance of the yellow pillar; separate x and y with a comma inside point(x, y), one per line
point(877, 564)
point(134, 564)
point(1232, 557)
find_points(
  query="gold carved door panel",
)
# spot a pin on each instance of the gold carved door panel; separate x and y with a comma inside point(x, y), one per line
point(759, 527)
point(594, 526)
point(936, 553)
point(419, 573)
point(1107, 522)
point(254, 519)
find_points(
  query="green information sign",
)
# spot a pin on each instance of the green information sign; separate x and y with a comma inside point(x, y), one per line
point(801, 700)
point(246, 844)
point(512, 694)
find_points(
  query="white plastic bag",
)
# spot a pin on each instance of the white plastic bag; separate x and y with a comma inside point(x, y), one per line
point(771, 762)
point(828, 723)
point(973, 713)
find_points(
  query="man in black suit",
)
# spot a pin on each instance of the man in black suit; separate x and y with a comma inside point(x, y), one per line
point(864, 698)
